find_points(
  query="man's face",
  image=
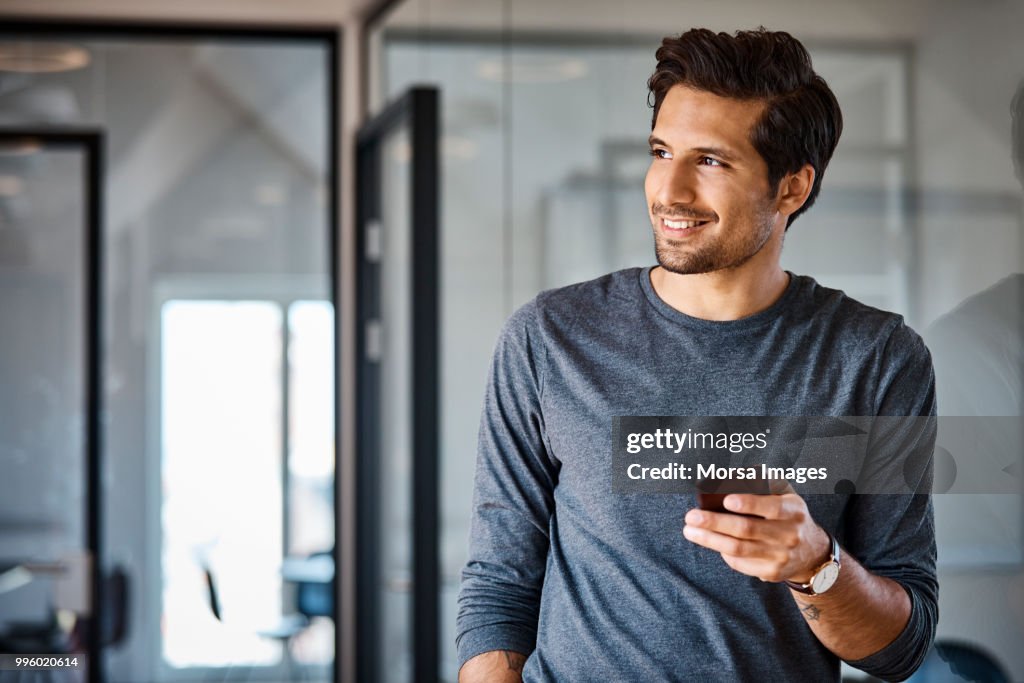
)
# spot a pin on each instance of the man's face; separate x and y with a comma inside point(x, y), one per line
point(707, 187)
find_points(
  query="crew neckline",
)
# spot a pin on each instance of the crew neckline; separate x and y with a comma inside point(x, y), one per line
point(751, 321)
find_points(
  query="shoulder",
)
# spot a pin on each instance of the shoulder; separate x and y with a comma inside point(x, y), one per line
point(855, 324)
point(612, 289)
point(558, 309)
point(894, 354)
point(547, 321)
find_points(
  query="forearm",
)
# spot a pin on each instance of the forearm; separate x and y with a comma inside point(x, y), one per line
point(859, 615)
point(774, 538)
point(497, 666)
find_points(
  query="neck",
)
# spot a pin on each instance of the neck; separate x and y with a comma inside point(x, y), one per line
point(724, 294)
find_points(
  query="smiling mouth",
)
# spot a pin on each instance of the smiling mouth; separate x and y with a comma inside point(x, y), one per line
point(682, 226)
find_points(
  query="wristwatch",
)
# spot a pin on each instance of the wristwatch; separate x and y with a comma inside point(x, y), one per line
point(824, 577)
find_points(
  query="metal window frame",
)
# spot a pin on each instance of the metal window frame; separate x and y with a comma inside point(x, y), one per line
point(91, 143)
point(419, 110)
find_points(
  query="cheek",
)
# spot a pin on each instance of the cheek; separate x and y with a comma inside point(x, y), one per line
point(758, 196)
point(758, 205)
point(735, 198)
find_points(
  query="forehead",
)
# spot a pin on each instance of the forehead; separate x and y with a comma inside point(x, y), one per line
point(697, 118)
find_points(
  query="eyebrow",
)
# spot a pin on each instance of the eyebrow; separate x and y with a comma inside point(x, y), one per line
point(714, 151)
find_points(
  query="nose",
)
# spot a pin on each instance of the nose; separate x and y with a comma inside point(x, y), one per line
point(675, 183)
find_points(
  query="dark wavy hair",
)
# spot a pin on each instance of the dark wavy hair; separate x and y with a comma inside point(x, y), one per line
point(801, 123)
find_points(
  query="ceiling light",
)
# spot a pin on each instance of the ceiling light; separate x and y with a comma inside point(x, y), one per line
point(32, 57)
point(453, 147)
point(524, 69)
point(11, 185)
point(270, 195)
point(20, 147)
point(459, 148)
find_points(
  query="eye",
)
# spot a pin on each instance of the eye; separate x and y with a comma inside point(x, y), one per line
point(659, 153)
point(710, 161)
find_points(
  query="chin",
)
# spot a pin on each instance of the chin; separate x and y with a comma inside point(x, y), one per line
point(690, 264)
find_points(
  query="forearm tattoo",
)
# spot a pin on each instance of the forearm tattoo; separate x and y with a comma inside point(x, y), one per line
point(810, 612)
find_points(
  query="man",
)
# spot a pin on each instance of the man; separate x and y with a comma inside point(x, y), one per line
point(568, 581)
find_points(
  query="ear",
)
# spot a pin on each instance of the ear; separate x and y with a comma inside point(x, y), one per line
point(794, 189)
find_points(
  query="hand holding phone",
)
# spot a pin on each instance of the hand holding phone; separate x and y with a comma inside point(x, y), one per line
point(711, 493)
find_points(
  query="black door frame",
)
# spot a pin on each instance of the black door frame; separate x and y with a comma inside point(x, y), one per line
point(41, 27)
point(418, 110)
point(91, 143)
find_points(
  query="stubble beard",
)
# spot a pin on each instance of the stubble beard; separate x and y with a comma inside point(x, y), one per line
point(718, 253)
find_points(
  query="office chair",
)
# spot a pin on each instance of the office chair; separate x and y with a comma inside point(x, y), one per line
point(953, 661)
point(287, 627)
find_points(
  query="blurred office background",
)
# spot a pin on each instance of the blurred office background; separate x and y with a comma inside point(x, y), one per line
point(261, 432)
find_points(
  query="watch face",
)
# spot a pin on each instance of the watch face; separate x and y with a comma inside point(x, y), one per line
point(824, 579)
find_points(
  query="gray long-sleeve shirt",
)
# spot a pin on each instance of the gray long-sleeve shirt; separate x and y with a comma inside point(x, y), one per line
point(598, 586)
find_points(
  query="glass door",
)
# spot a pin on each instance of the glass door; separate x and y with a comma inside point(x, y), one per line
point(50, 595)
point(398, 413)
point(220, 210)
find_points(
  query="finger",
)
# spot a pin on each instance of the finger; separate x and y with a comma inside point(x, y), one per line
point(729, 545)
point(767, 506)
point(741, 526)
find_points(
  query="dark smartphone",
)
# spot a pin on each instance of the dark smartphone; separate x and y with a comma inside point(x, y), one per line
point(711, 493)
point(715, 502)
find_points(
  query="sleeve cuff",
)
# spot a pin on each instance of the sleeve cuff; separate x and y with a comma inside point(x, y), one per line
point(898, 660)
point(494, 637)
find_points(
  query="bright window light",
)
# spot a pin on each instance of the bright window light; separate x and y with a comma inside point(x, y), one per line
point(221, 389)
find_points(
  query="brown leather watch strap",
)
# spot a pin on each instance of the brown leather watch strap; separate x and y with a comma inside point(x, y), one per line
point(808, 588)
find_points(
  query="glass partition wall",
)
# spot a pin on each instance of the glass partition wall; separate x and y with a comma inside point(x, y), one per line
point(218, 336)
point(544, 122)
point(49, 532)
point(567, 204)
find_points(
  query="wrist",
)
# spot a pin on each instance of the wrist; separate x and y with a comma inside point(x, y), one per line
point(820, 550)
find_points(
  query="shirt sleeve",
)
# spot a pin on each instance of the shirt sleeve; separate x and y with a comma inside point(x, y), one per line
point(513, 499)
point(893, 535)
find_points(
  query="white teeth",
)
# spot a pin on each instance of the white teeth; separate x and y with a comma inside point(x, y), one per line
point(680, 225)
